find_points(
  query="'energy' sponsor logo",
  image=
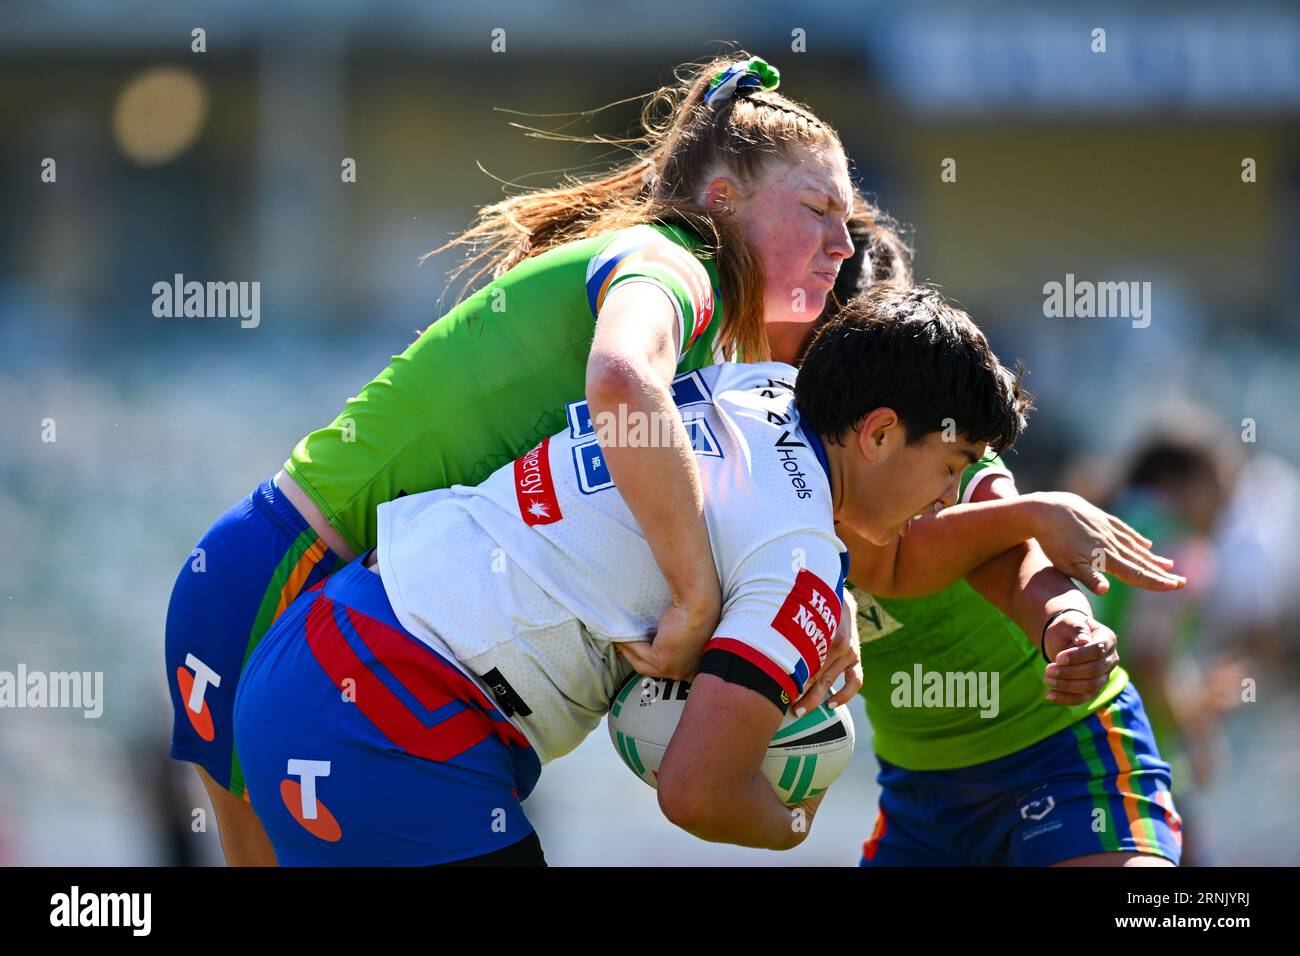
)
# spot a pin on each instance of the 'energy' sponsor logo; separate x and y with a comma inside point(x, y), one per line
point(534, 487)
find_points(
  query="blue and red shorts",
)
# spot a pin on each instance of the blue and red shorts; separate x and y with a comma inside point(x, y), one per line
point(364, 747)
point(1099, 786)
point(244, 572)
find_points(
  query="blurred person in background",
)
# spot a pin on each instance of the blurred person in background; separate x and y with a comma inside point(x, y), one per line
point(1175, 488)
point(1254, 602)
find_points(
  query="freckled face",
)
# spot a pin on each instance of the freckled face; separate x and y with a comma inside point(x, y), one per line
point(794, 218)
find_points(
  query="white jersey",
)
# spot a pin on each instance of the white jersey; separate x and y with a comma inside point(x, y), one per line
point(530, 578)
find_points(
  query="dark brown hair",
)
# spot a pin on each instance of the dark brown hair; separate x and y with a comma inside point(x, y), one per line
point(909, 350)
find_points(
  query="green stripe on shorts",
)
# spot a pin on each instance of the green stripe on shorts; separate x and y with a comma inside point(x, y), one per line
point(1145, 803)
point(1101, 797)
point(262, 623)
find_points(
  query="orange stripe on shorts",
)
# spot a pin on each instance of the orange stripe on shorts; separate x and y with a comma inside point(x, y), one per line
point(298, 576)
point(1131, 809)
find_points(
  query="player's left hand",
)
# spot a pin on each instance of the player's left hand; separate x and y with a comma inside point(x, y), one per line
point(843, 657)
point(1084, 652)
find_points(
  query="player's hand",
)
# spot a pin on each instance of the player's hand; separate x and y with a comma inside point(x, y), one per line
point(843, 657)
point(1083, 653)
point(1082, 540)
point(677, 646)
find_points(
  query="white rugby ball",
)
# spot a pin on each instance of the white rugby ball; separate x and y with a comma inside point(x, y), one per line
point(805, 757)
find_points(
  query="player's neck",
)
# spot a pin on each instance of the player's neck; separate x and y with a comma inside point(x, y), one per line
point(837, 470)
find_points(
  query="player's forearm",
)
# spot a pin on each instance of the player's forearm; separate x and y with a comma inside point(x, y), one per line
point(999, 579)
point(747, 815)
point(1024, 586)
point(648, 454)
point(1045, 592)
point(940, 549)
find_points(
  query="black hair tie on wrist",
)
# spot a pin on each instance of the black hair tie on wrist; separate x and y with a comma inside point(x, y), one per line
point(1042, 641)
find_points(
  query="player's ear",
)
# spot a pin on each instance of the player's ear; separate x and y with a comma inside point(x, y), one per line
point(721, 196)
point(879, 433)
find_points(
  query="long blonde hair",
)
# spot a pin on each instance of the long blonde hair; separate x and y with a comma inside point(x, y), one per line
point(685, 143)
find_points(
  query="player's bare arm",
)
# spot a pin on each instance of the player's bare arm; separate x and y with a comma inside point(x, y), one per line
point(709, 782)
point(633, 358)
point(1022, 583)
point(1074, 534)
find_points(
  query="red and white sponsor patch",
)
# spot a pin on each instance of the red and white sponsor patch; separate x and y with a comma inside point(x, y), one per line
point(535, 488)
point(808, 618)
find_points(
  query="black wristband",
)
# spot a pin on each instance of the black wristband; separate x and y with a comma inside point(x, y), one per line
point(1042, 641)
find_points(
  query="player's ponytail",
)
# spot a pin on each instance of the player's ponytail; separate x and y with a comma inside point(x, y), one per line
point(720, 117)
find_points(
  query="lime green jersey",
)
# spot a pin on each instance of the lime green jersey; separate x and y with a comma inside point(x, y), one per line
point(950, 681)
point(491, 378)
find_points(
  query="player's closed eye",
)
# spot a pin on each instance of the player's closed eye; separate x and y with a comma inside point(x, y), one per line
point(819, 212)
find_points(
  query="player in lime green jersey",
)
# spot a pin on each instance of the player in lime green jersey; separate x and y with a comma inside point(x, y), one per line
point(721, 240)
point(980, 763)
point(494, 374)
point(607, 288)
point(955, 631)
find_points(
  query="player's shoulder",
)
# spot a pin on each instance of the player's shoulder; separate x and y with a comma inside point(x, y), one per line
point(752, 385)
point(989, 466)
point(644, 243)
point(659, 254)
point(754, 399)
point(778, 466)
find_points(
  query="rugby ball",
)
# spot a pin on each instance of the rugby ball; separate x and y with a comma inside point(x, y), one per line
point(805, 757)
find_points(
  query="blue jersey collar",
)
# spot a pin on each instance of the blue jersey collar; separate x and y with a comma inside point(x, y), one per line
point(815, 443)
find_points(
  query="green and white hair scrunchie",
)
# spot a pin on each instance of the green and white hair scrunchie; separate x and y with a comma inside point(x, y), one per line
point(742, 75)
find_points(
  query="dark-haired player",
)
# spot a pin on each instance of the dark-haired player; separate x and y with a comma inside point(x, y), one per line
point(490, 630)
point(1030, 774)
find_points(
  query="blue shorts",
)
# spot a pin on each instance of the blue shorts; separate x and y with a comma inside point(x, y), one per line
point(364, 747)
point(249, 567)
point(1098, 786)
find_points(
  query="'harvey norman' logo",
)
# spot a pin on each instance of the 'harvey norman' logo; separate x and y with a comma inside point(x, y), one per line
point(808, 618)
point(103, 909)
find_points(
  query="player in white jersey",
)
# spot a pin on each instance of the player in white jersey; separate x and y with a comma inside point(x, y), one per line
point(493, 627)
point(509, 576)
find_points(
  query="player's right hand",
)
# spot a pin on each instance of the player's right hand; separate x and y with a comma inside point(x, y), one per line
point(1084, 541)
point(677, 646)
